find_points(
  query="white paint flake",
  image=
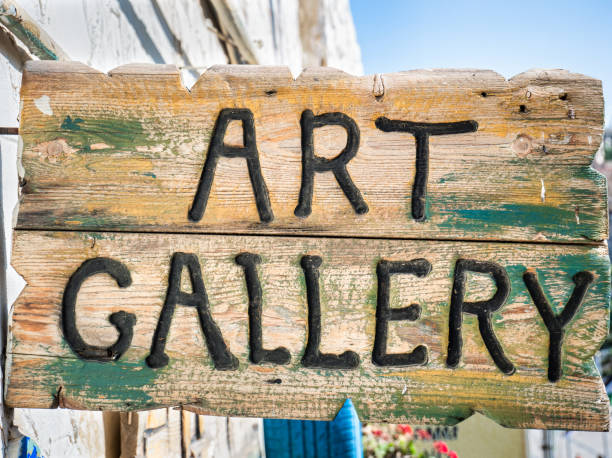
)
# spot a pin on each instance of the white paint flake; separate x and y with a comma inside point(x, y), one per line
point(577, 213)
point(42, 103)
point(543, 191)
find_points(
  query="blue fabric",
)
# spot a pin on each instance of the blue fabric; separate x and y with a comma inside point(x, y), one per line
point(346, 432)
point(323, 442)
point(28, 449)
point(315, 439)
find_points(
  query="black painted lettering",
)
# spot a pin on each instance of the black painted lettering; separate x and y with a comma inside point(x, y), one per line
point(312, 164)
point(313, 356)
point(217, 149)
point(222, 358)
point(384, 313)
point(482, 309)
point(422, 131)
point(123, 322)
point(555, 323)
point(257, 354)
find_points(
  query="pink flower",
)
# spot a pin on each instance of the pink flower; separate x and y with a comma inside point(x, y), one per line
point(452, 454)
point(441, 447)
point(423, 434)
point(377, 432)
point(405, 429)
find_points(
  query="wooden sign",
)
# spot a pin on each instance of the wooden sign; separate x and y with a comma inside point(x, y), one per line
point(429, 244)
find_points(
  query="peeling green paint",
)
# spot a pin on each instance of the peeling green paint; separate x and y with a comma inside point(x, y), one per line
point(539, 218)
point(23, 31)
point(449, 177)
point(97, 235)
point(101, 135)
point(575, 209)
point(70, 124)
point(116, 134)
point(120, 380)
point(95, 220)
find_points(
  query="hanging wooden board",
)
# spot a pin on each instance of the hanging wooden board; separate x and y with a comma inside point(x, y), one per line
point(501, 160)
point(245, 248)
point(45, 369)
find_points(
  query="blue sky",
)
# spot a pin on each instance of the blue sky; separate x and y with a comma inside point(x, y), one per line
point(508, 36)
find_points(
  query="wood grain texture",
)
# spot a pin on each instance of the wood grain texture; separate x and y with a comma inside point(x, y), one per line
point(111, 164)
point(125, 152)
point(43, 372)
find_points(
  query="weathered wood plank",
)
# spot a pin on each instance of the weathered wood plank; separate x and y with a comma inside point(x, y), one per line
point(43, 371)
point(129, 156)
point(125, 152)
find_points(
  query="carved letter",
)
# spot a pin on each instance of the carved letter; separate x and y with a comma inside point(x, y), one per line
point(312, 164)
point(217, 148)
point(384, 313)
point(421, 132)
point(123, 322)
point(257, 354)
point(220, 354)
point(482, 309)
point(312, 356)
point(556, 323)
